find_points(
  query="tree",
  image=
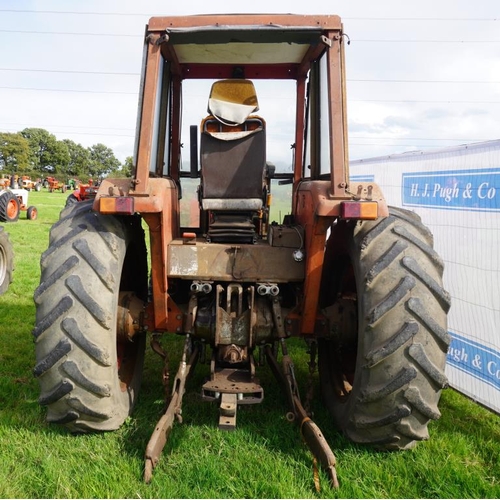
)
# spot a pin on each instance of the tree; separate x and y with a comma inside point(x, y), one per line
point(47, 154)
point(79, 159)
point(102, 160)
point(128, 166)
point(14, 152)
point(124, 171)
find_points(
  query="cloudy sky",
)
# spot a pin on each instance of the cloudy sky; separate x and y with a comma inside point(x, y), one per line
point(420, 75)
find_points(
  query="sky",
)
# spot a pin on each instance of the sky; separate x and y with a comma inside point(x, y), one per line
point(420, 75)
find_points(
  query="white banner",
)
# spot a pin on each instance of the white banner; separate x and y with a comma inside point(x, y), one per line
point(456, 191)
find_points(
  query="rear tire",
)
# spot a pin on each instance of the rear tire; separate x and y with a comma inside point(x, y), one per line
point(382, 367)
point(6, 261)
point(89, 377)
point(9, 207)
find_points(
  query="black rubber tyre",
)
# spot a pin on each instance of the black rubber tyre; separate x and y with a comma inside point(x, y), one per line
point(9, 207)
point(71, 200)
point(89, 377)
point(32, 213)
point(6, 261)
point(382, 368)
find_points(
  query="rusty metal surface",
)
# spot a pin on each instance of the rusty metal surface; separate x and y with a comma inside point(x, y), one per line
point(312, 435)
point(234, 381)
point(148, 110)
point(226, 262)
point(286, 236)
point(316, 210)
point(174, 410)
point(232, 320)
point(129, 315)
point(322, 21)
point(228, 408)
point(337, 110)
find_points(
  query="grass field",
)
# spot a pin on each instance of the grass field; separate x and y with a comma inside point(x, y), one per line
point(263, 458)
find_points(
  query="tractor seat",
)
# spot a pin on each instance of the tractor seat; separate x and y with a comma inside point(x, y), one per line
point(233, 154)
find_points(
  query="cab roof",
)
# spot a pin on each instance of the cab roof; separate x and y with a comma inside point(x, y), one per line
point(252, 46)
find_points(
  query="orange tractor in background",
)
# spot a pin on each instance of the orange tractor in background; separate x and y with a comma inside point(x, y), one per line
point(4, 181)
point(25, 182)
point(357, 280)
point(52, 184)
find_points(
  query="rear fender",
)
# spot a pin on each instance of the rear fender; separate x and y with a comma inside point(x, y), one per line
point(315, 211)
point(159, 207)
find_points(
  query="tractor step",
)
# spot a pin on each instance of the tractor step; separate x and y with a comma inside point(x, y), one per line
point(235, 381)
point(233, 386)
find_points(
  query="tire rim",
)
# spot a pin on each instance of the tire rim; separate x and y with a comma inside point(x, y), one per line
point(12, 208)
point(343, 343)
point(126, 353)
point(127, 342)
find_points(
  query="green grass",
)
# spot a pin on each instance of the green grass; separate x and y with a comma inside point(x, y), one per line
point(263, 458)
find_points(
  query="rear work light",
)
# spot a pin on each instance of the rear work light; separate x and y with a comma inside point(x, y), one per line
point(361, 210)
point(116, 205)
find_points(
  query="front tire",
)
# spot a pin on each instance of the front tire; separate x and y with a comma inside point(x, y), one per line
point(32, 213)
point(382, 367)
point(89, 376)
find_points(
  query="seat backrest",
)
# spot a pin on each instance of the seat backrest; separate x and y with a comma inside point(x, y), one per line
point(233, 149)
point(233, 170)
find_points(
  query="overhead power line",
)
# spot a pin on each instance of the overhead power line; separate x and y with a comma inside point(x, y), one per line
point(375, 40)
point(99, 133)
point(423, 19)
point(350, 100)
point(74, 12)
point(76, 33)
point(382, 80)
point(71, 90)
point(399, 145)
point(130, 35)
point(30, 125)
point(79, 72)
point(412, 139)
point(422, 101)
point(363, 80)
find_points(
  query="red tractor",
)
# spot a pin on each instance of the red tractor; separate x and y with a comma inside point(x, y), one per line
point(83, 192)
point(357, 280)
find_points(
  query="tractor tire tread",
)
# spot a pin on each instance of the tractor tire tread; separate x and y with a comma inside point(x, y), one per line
point(75, 331)
point(5, 199)
point(6, 261)
point(403, 340)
